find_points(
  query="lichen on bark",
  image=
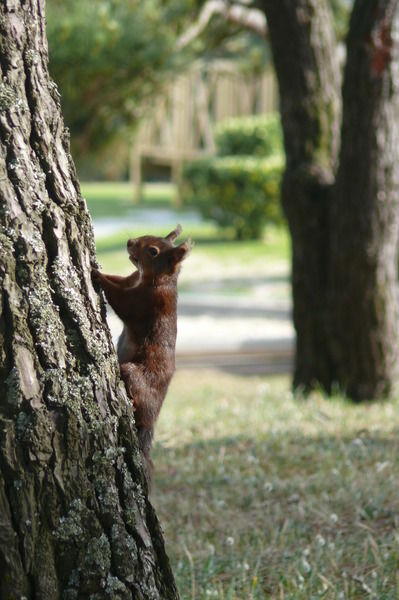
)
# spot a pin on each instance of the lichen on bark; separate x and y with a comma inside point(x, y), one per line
point(75, 519)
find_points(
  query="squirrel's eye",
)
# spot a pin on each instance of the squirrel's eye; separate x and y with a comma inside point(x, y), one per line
point(153, 250)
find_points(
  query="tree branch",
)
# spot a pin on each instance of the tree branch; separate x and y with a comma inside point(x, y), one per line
point(249, 18)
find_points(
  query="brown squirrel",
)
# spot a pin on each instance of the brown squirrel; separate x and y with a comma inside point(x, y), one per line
point(146, 302)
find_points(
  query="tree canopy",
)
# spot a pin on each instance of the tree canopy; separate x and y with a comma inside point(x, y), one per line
point(108, 58)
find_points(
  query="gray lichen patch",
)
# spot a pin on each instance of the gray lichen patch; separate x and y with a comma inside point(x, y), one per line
point(23, 426)
point(75, 393)
point(79, 525)
point(71, 527)
point(13, 386)
point(98, 556)
point(116, 589)
point(46, 327)
point(55, 385)
point(80, 395)
point(7, 97)
point(32, 57)
point(72, 391)
point(107, 494)
point(68, 286)
point(30, 245)
point(124, 552)
point(133, 491)
point(6, 240)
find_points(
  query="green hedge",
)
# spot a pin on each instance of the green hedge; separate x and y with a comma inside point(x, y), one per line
point(252, 136)
point(240, 188)
point(241, 192)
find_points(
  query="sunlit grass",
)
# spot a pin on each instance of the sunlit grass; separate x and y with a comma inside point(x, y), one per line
point(116, 198)
point(266, 495)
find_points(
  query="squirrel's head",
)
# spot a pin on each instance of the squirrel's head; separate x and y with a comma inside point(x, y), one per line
point(154, 256)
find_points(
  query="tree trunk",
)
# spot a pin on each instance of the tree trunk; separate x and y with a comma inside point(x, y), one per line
point(75, 520)
point(306, 62)
point(345, 233)
point(365, 226)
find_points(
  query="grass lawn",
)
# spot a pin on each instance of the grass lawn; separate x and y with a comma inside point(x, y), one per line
point(116, 198)
point(264, 495)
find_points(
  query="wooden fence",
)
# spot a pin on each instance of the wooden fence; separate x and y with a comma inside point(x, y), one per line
point(180, 127)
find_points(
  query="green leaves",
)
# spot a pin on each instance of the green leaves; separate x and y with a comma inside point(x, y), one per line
point(259, 135)
point(240, 188)
point(107, 58)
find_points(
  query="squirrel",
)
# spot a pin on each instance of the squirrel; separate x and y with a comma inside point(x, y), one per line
point(146, 302)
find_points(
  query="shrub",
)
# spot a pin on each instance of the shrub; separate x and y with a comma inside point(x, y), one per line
point(241, 192)
point(252, 136)
point(240, 188)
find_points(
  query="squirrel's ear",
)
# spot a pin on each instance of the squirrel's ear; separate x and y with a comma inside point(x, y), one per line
point(173, 235)
point(180, 252)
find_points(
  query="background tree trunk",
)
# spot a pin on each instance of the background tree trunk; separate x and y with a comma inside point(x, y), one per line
point(344, 234)
point(365, 226)
point(306, 62)
point(75, 520)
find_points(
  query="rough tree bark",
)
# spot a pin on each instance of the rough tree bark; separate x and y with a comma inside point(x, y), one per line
point(343, 220)
point(365, 234)
point(75, 520)
point(305, 57)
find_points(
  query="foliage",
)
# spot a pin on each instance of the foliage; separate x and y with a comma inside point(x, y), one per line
point(107, 61)
point(341, 11)
point(236, 191)
point(240, 188)
point(259, 135)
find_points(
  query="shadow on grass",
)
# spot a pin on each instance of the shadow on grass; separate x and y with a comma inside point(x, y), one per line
point(297, 510)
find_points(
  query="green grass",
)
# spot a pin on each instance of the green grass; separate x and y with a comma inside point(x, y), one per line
point(264, 495)
point(116, 198)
